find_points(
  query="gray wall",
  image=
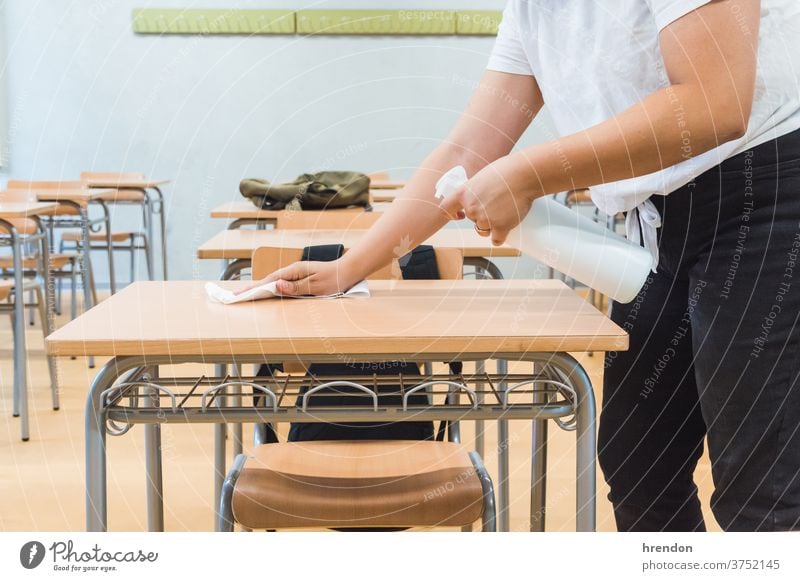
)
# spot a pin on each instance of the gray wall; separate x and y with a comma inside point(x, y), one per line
point(86, 93)
point(3, 94)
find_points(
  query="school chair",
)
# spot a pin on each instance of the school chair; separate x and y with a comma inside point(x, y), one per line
point(67, 215)
point(132, 241)
point(63, 265)
point(381, 484)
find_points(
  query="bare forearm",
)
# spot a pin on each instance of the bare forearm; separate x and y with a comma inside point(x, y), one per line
point(666, 128)
point(414, 215)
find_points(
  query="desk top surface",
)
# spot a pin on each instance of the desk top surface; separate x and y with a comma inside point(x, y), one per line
point(77, 195)
point(240, 244)
point(243, 209)
point(25, 209)
point(401, 319)
point(386, 184)
point(125, 184)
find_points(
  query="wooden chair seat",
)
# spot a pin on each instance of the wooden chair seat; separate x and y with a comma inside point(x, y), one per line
point(358, 484)
point(56, 261)
point(5, 289)
point(75, 236)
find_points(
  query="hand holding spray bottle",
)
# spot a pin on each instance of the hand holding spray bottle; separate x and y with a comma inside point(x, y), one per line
point(573, 244)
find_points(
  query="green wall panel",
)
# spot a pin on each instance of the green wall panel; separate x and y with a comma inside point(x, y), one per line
point(319, 22)
point(412, 22)
point(191, 21)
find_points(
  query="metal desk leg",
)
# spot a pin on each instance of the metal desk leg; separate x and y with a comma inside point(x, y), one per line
point(162, 213)
point(148, 225)
point(586, 440)
point(236, 429)
point(20, 354)
point(480, 367)
point(48, 316)
point(153, 465)
point(220, 434)
point(86, 265)
point(95, 429)
point(538, 516)
point(503, 489)
point(112, 277)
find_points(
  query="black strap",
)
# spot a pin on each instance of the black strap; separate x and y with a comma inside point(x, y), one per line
point(323, 252)
point(420, 264)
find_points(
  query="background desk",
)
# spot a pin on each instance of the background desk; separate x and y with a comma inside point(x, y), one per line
point(238, 245)
point(243, 212)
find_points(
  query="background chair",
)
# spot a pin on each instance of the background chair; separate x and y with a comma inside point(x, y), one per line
point(66, 215)
point(63, 265)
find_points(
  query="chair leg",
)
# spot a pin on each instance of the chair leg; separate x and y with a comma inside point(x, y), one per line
point(51, 362)
point(31, 310)
point(20, 365)
point(147, 256)
point(15, 390)
point(132, 249)
point(73, 291)
point(489, 517)
point(225, 520)
point(59, 289)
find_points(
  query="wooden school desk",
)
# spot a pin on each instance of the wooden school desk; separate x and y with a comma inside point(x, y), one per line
point(14, 217)
point(151, 324)
point(237, 246)
point(154, 200)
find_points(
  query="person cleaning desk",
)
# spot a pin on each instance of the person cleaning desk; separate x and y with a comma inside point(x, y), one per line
point(684, 114)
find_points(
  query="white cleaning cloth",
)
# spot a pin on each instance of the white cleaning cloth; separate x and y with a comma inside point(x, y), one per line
point(268, 290)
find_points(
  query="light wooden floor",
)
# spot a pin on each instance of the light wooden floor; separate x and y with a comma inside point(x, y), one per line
point(42, 481)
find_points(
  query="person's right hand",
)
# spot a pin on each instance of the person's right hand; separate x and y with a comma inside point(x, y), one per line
point(309, 278)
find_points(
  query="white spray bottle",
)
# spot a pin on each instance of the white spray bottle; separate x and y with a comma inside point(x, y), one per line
point(573, 244)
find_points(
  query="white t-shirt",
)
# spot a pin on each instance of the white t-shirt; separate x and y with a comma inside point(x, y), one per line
point(594, 59)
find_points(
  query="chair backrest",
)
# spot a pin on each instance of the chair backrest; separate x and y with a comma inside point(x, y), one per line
point(327, 220)
point(268, 259)
point(112, 175)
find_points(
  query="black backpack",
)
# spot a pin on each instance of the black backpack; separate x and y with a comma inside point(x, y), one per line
point(419, 264)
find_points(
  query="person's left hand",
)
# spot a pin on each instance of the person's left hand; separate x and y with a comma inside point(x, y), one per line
point(496, 199)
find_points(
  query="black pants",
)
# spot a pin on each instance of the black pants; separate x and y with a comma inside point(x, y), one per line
point(715, 347)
